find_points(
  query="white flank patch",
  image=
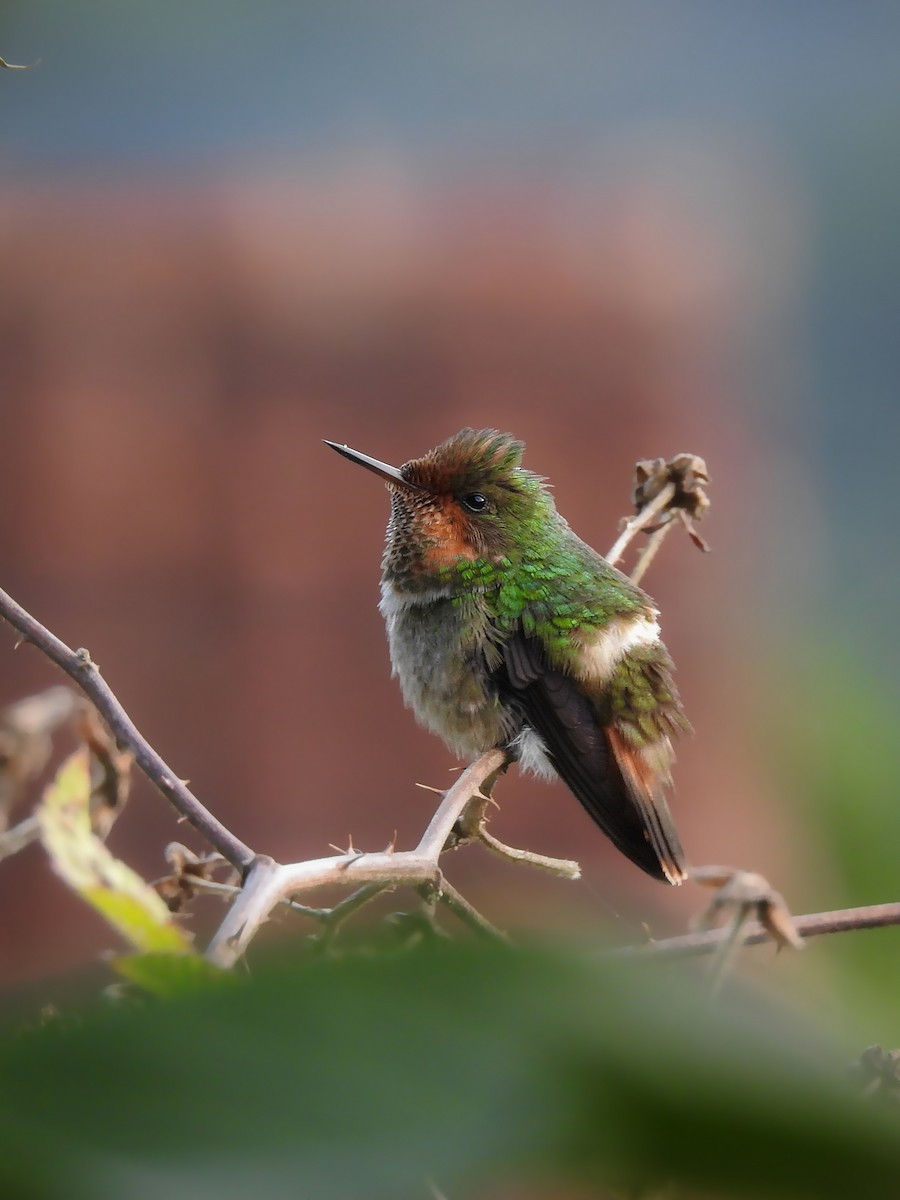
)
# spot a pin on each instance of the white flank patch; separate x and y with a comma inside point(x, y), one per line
point(531, 753)
point(393, 603)
point(613, 642)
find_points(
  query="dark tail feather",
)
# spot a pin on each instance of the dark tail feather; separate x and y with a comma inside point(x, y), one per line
point(644, 781)
point(620, 787)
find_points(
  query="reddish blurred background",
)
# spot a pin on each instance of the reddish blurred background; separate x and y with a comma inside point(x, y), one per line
point(171, 356)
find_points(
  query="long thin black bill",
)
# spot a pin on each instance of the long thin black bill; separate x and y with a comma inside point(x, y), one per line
point(388, 473)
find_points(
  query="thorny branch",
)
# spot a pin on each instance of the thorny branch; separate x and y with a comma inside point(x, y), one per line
point(269, 882)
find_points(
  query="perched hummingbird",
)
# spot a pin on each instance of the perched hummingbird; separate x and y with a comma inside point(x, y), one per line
point(506, 629)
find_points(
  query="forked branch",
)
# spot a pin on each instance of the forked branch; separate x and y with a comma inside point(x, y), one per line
point(269, 882)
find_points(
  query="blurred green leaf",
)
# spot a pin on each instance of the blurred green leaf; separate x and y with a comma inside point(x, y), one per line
point(81, 859)
point(841, 758)
point(358, 1078)
point(168, 975)
point(844, 757)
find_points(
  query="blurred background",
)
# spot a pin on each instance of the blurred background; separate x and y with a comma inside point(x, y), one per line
point(228, 230)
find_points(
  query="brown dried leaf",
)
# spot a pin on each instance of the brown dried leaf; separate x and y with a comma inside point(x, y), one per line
point(751, 893)
point(700, 542)
point(775, 917)
point(179, 888)
point(110, 768)
point(25, 741)
point(688, 474)
point(710, 876)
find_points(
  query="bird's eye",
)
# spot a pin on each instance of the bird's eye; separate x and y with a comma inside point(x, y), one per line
point(475, 502)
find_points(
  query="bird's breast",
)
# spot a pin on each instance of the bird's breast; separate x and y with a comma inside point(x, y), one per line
point(438, 643)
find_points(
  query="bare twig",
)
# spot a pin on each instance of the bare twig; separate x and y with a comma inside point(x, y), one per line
point(647, 555)
point(640, 521)
point(468, 914)
point(335, 917)
point(726, 951)
point(693, 945)
point(77, 664)
point(19, 836)
point(229, 891)
point(472, 827)
point(269, 882)
point(566, 868)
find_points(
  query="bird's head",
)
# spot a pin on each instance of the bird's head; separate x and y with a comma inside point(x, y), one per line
point(467, 501)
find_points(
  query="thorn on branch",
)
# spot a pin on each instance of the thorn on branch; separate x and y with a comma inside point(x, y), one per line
point(351, 853)
point(426, 787)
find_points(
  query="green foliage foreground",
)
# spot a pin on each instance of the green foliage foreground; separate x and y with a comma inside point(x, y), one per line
point(364, 1076)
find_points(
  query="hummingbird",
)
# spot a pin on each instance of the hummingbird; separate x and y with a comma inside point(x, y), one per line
point(506, 630)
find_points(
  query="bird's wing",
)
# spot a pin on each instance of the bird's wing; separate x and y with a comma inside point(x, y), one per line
point(620, 783)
